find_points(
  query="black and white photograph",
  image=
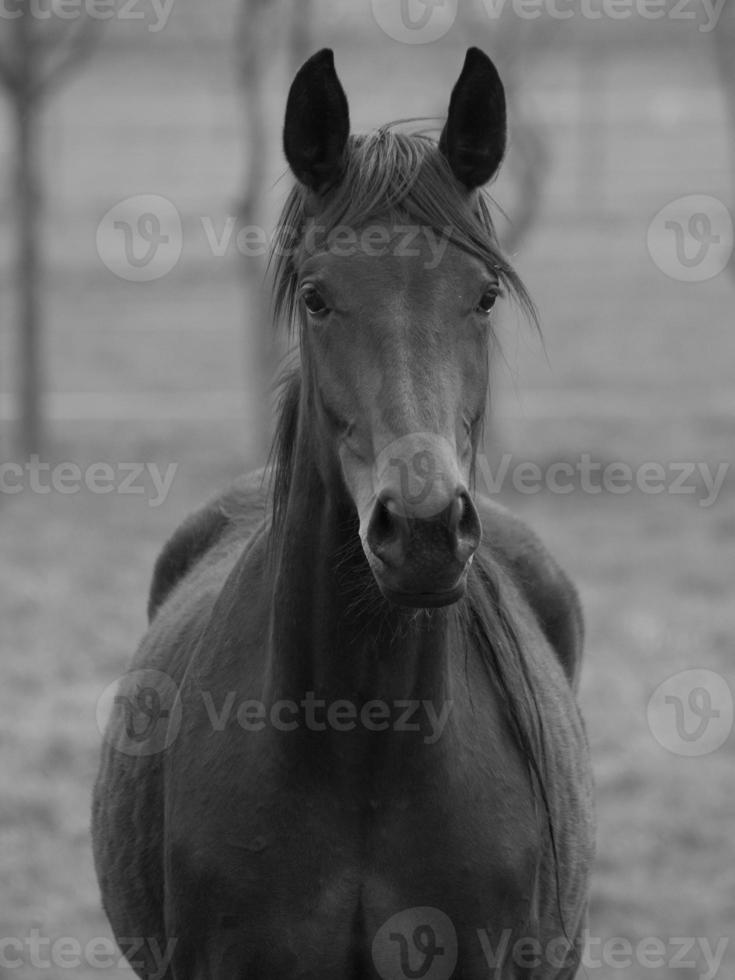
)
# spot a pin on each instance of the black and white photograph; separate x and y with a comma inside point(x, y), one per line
point(367, 489)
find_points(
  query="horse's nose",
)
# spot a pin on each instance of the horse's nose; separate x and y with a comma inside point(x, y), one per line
point(396, 537)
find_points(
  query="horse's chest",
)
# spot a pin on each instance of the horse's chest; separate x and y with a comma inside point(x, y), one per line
point(330, 883)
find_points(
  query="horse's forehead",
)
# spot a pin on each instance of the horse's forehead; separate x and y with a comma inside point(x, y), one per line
point(392, 257)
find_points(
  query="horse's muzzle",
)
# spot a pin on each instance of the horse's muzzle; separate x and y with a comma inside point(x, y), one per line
point(422, 562)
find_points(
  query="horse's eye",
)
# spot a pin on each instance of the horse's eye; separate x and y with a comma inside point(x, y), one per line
point(314, 301)
point(487, 300)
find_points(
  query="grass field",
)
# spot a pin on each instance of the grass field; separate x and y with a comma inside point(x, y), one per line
point(637, 369)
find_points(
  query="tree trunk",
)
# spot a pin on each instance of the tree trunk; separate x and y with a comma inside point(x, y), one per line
point(531, 160)
point(254, 40)
point(511, 41)
point(27, 201)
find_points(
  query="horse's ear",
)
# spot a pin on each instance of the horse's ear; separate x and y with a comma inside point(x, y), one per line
point(473, 140)
point(317, 123)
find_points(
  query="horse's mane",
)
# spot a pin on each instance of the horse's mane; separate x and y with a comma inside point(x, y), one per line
point(405, 176)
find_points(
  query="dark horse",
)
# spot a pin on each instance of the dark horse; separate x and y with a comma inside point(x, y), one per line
point(349, 745)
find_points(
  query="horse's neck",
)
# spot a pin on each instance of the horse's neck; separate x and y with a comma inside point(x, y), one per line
point(331, 631)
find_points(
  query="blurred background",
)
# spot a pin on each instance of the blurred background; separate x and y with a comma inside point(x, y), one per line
point(138, 139)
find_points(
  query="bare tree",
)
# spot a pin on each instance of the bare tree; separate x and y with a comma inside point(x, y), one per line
point(255, 50)
point(511, 40)
point(261, 25)
point(34, 57)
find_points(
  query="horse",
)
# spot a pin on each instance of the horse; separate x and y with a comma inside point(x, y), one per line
point(349, 744)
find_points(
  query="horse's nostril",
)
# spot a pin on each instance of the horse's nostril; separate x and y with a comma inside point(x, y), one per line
point(399, 540)
point(388, 532)
point(454, 513)
point(465, 526)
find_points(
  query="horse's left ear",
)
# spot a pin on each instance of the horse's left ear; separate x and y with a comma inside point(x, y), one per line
point(473, 140)
point(317, 123)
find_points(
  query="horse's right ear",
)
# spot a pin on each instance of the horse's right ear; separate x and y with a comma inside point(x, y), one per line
point(317, 123)
point(473, 140)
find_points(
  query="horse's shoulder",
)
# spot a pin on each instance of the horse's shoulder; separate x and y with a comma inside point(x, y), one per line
point(544, 584)
point(236, 511)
